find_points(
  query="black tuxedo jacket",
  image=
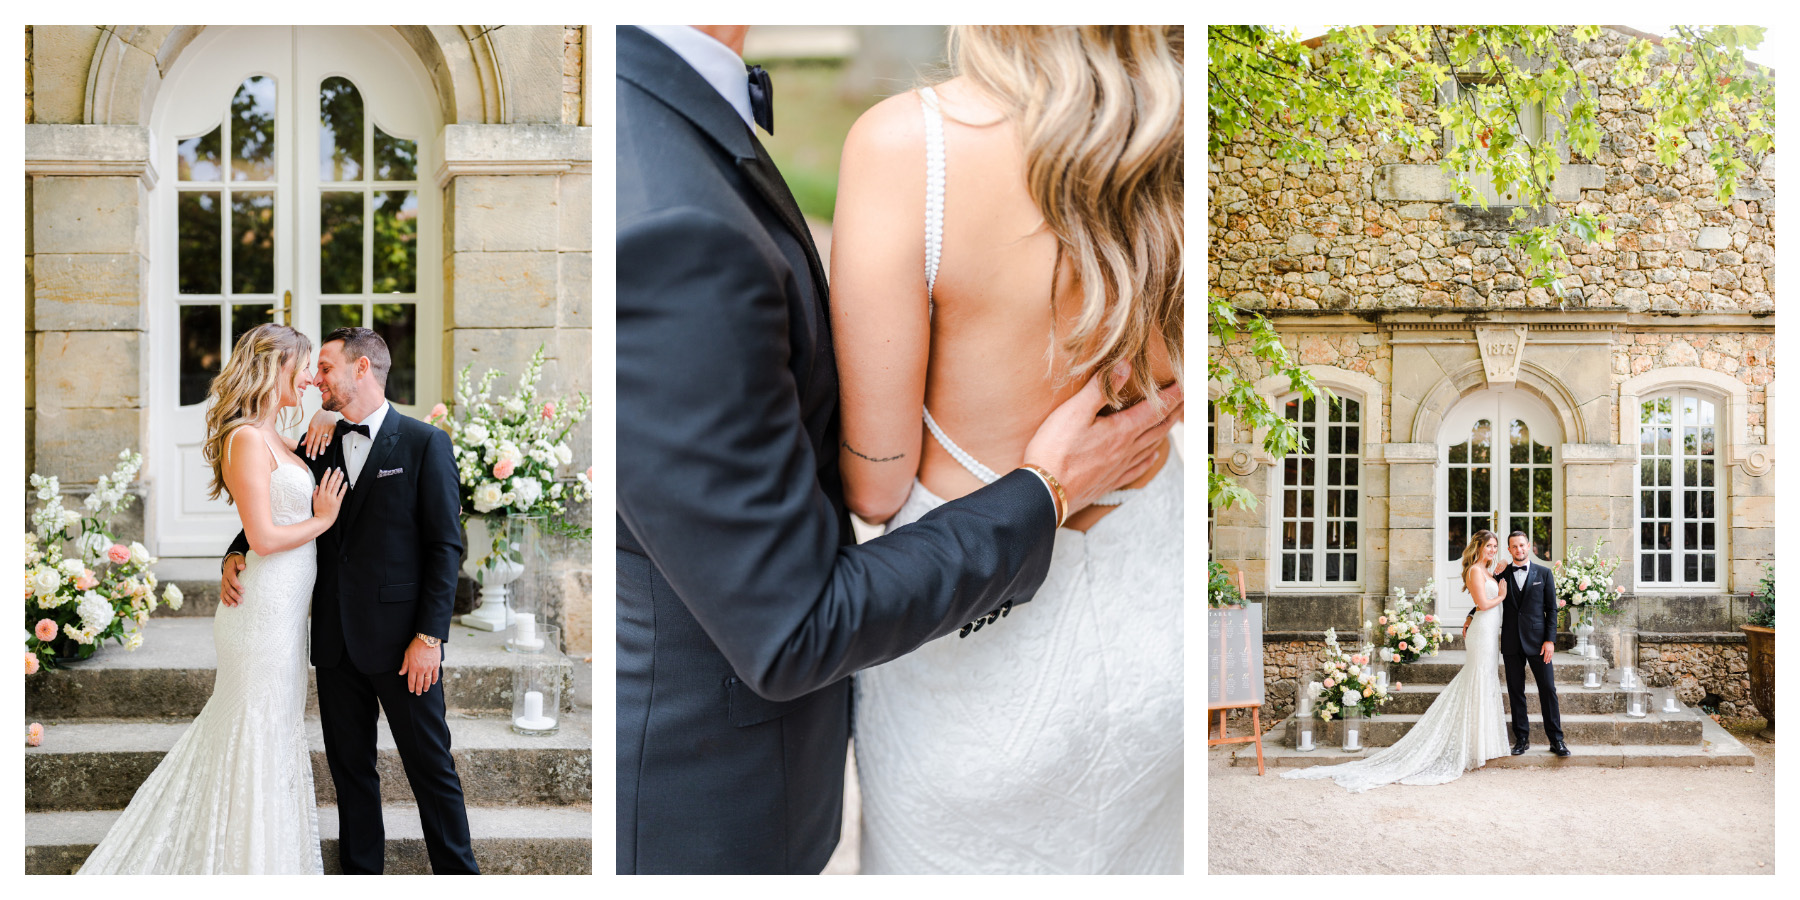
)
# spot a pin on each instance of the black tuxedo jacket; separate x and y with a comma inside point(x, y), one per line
point(744, 604)
point(1528, 615)
point(387, 566)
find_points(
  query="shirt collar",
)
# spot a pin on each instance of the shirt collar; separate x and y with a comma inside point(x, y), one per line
point(374, 419)
point(715, 62)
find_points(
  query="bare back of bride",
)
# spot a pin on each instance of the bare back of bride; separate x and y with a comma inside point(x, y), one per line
point(1000, 237)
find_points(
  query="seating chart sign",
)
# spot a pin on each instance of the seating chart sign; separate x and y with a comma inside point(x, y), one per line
point(1234, 657)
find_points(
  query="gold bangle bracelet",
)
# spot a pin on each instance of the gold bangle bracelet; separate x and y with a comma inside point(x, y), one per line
point(1062, 497)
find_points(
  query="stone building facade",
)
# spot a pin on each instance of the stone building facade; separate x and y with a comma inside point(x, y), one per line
point(185, 182)
point(1633, 412)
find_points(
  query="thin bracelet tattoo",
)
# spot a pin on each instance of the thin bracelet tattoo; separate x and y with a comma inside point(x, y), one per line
point(871, 458)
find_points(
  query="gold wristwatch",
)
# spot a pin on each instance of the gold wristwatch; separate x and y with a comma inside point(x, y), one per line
point(429, 640)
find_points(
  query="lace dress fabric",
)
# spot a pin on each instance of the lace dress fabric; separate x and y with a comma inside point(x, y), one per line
point(235, 793)
point(1051, 741)
point(1463, 729)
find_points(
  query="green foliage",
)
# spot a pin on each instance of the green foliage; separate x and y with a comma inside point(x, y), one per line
point(1221, 590)
point(1485, 83)
point(1238, 398)
point(1764, 615)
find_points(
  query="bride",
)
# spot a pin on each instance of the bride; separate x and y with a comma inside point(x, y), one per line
point(235, 793)
point(1047, 178)
point(1465, 727)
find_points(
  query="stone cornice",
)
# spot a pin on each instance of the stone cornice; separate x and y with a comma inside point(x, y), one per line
point(514, 150)
point(1539, 320)
point(90, 150)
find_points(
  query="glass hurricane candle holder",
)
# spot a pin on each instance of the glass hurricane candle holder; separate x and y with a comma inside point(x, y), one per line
point(1593, 672)
point(1637, 704)
point(1625, 641)
point(1303, 720)
point(537, 687)
point(1353, 726)
point(1666, 701)
point(526, 635)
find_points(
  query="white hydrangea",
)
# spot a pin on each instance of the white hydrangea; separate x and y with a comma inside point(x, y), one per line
point(487, 497)
point(1351, 698)
point(526, 491)
point(95, 612)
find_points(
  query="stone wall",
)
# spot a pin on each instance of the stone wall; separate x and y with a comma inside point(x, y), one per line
point(572, 74)
point(1380, 232)
point(1720, 667)
point(1284, 658)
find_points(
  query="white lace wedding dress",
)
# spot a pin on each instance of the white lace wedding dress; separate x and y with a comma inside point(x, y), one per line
point(1050, 742)
point(1463, 729)
point(235, 793)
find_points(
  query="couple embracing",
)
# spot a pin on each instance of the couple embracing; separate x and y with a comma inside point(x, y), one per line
point(356, 524)
point(1515, 619)
point(991, 376)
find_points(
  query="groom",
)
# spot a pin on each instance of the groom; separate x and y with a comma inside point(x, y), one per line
point(381, 607)
point(1528, 637)
point(744, 601)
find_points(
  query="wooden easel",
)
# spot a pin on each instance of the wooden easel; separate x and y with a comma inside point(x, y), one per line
point(1225, 737)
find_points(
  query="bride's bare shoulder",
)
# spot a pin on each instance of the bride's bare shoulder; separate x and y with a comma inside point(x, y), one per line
point(893, 127)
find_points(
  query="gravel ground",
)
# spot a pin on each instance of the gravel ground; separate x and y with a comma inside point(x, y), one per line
point(1657, 820)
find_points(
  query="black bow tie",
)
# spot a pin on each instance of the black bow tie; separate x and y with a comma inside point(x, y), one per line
point(762, 99)
point(344, 427)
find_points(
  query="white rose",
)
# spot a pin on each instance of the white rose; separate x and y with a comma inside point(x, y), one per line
point(510, 451)
point(71, 519)
point(46, 580)
point(475, 433)
point(1351, 698)
point(527, 491)
point(139, 554)
point(564, 455)
point(487, 497)
point(71, 567)
point(134, 640)
point(172, 596)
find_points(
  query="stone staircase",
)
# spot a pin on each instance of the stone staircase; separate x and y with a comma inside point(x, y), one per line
point(1593, 719)
point(108, 722)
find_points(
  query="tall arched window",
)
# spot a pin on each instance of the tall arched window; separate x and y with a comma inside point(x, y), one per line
point(1680, 532)
point(1319, 538)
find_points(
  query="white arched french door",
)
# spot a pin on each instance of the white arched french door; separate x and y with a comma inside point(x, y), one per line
point(294, 187)
point(1498, 470)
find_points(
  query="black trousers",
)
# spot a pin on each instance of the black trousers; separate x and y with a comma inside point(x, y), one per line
point(348, 703)
point(1515, 692)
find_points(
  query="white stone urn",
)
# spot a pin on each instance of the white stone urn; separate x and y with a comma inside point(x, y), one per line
point(497, 549)
point(1584, 632)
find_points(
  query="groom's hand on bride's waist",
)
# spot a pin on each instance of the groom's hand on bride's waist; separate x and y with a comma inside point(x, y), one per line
point(1092, 454)
point(230, 591)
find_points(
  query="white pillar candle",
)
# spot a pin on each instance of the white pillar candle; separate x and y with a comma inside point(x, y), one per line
point(1352, 740)
point(534, 705)
point(1305, 741)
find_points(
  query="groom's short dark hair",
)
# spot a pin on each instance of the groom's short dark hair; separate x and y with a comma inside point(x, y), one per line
point(360, 342)
point(1509, 537)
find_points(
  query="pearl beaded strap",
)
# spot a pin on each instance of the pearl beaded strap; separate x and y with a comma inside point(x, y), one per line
point(934, 247)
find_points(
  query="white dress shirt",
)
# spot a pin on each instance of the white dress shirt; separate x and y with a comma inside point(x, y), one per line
point(722, 68)
point(356, 447)
point(1519, 576)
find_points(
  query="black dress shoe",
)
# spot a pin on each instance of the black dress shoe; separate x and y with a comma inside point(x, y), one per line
point(1560, 749)
point(1519, 748)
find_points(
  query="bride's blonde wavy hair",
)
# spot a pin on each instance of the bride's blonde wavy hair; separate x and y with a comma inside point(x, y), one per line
point(1472, 552)
point(1099, 110)
point(249, 388)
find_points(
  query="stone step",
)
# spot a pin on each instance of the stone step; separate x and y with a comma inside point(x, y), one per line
point(1414, 699)
point(1586, 729)
point(507, 840)
point(1441, 668)
point(1717, 747)
point(171, 675)
point(85, 765)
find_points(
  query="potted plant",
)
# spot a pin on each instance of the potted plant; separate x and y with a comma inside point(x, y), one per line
point(1760, 631)
point(1221, 593)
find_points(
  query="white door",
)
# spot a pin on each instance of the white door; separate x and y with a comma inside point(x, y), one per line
point(1497, 459)
point(294, 167)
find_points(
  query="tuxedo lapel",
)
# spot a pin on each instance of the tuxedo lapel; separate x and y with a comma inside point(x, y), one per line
point(371, 470)
point(760, 171)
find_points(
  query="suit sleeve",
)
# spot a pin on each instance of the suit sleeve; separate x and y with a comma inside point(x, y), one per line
point(440, 533)
point(1549, 607)
point(240, 545)
point(718, 481)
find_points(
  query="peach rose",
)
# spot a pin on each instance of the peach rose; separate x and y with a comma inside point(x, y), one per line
point(45, 630)
point(34, 734)
point(31, 663)
point(1431, 618)
point(549, 410)
point(1403, 645)
point(118, 554)
point(1330, 682)
point(1561, 603)
point(1382, 620)
point(87, 581)
point(503, 468)
point(1398, 685)
point(437, 412)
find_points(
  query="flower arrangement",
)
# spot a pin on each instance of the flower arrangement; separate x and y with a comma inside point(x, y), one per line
point(1345, 681)
point(1764, 595)
point(1406, 629)
point(1584, 585)
point(508, 449)
point(83, 585)
point(1221, 592)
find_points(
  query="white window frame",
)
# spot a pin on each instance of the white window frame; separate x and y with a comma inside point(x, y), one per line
point(1720, 519)
point(1320, 454)
point(1536, 124)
